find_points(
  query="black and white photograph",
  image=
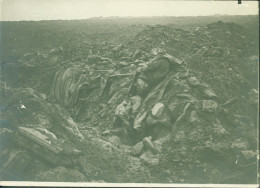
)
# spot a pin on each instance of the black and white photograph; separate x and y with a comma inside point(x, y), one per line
point(129, 93)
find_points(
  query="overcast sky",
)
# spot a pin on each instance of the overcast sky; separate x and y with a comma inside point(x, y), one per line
point(15, 10)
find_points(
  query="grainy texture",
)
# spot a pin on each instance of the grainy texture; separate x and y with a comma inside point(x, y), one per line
point(109, 92)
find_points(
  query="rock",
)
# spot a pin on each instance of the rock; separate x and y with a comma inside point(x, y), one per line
point(155, 51)
point(148, 158)
point(239, 144)
point(136, 170)
point(247, 158)
point(250, 154)
point(137, 149)
point(158, 109)
point(159, 116)
point(149, 145)
point(158, 144)
point(218, 128)
point(139, 119)
point(194, 81)
point(173, 60)
point(126, 59)
point(139, 62)
point(122, 109)
point(242, 121)
point(122, 63)
point(136, 103)
point(73, 128)
point(133, 66)
point(209, 93)
point(158, 124)
point(105, 145)
point(209, 105)
point(194, 117)
point(253, 95)
point(114, 140)
point(61, 174)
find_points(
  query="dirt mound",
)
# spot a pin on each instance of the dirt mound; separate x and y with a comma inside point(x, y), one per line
point(174, 106)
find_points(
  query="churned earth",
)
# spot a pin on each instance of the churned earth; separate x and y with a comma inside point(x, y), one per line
point(162, 100)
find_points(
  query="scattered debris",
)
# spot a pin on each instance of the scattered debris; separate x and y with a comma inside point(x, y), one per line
point(194, 81)
point(175, 125)
point(149, 145)
point(158, 109)
point(136, 103)
point(137, 149)
point(138, 123)
point(148, 158)
point(194, 117)
point(209, 105)
point(174, 99)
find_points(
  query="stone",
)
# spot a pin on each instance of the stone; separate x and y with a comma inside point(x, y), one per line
point(136, 103)
point(148, 158)
point(148, 144)
point(239, 144)
point(158, 116)
point(209, 105)
point(155, 51)
point(194, 81)
point(114, 140)
point(173, 60)
point(73, 128)
point(137, 149)
point(194, 117)
point(121, 110)
point(209, 93)
point(158, 144)
point(218, 128)
point(122, 63)
point(158, 109)
point(250, 154)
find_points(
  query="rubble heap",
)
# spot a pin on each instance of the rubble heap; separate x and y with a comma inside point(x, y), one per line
point(159, 110)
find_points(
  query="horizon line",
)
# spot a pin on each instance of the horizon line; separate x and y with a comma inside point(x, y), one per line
point(124, 17)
